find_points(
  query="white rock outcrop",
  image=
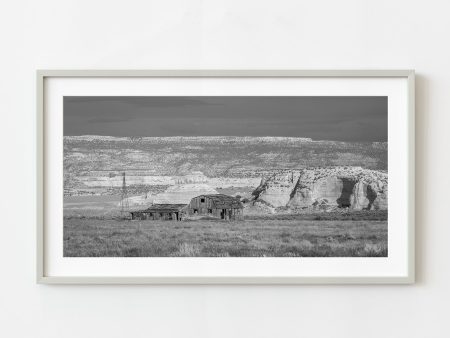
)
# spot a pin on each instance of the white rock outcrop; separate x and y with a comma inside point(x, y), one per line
point(346, 187)
point(187, 187)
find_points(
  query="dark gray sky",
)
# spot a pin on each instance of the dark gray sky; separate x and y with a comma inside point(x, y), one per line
point(347, 118)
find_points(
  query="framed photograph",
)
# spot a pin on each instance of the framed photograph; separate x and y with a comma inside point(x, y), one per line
point(225, 176)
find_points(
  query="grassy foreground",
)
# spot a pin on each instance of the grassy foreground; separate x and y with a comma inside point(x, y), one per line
point(209, 238)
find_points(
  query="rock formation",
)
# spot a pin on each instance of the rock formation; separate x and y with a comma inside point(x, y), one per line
point(144, 200)
point(324, 187)
point(194, 177)
point(276, 190)
point(94, 164)
point(187, 187)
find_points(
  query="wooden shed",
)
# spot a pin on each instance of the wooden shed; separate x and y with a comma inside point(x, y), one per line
point(165, 212)
point(216, 205)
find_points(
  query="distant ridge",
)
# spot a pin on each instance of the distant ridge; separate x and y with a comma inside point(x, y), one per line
point(189, 138)
point(94, 161)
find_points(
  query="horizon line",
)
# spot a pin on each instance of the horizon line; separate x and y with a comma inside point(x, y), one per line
point(223, 136)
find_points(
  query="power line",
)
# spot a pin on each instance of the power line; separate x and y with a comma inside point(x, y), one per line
point(124, 204)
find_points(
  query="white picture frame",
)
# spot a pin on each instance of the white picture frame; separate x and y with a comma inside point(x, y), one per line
point(42, 193)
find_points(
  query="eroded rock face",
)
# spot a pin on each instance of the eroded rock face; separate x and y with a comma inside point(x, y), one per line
point(361, 199)
point(194, 177)
point(276, 190)
point(345, 187)
point(187, 187)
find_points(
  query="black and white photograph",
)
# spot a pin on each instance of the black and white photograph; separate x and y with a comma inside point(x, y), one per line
point(225, 176)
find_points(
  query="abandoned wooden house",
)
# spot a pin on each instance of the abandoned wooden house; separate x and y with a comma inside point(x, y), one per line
point(216, 205)
point(165, 212)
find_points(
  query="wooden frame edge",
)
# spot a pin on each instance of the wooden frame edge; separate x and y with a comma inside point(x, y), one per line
point(40, 176)
point(41, 278)
point(139, 280)
point(223, 73)
point(411, 178)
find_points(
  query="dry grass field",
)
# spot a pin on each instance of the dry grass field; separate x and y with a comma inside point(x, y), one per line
point(211, 238)
point(91, 206)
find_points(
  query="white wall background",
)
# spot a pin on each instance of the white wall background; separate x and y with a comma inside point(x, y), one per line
point(223, 34)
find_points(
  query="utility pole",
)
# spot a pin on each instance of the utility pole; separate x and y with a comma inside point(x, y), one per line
point(124, 205)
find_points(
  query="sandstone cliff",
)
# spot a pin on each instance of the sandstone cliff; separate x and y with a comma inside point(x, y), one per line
point(324, 188)
point(94, 164)
point(186, 187)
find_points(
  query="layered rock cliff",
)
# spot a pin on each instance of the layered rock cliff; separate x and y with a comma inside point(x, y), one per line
point(183, 193)
point(324, 187)
point(94, 164)
point(186, 187)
